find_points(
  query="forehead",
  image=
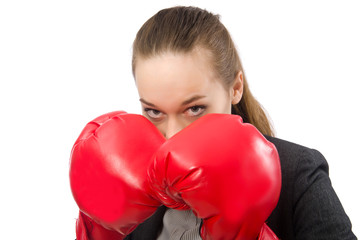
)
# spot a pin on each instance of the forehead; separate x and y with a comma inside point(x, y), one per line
point(197, 61)
point(174, 76)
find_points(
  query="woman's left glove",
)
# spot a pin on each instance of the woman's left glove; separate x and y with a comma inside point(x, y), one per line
point(225, 171)
point(108, 175)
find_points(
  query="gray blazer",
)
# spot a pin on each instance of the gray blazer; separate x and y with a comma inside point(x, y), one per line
point(308, 207)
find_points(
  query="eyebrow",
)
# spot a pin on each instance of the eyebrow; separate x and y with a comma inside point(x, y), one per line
point(148, 103)
point(186, 102)
point(194, 98)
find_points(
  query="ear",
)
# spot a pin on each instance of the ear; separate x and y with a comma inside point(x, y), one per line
point(237, 88)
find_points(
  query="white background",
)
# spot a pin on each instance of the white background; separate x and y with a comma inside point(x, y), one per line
point(62, 63)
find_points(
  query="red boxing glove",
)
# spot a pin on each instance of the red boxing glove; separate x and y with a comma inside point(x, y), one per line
point(87, 229)
point(267, 234)
point(108, 174)
point(225, 171)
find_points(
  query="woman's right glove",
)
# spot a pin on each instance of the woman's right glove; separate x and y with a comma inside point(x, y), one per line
point(225, 171)
point(108, 175)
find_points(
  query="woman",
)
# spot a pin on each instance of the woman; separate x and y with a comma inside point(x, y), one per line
point(185, 66)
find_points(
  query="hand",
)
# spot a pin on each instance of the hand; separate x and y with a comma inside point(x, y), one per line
point(108, 171)
point(222, 169)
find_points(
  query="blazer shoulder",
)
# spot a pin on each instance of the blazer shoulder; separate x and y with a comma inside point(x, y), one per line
point(294, 155)
point(301, 168)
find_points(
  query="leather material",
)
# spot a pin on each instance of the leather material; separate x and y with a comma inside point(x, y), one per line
point(108, 170)
point(87, 229)
point(225, 171)
point(267, 234)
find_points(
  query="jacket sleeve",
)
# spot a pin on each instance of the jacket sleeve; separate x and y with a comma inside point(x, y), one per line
point(318, 213)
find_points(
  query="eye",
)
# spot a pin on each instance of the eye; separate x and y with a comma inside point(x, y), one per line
point(153, 113)
point(195, 110)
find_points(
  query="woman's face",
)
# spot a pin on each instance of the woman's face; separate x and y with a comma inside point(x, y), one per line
point(175, 89)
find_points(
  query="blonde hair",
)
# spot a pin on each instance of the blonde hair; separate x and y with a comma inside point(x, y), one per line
point(181, 29)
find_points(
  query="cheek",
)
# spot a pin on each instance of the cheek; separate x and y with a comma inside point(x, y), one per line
point(224, 108)
point(221, 102)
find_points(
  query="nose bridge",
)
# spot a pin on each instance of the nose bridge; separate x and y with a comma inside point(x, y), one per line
point(174, 125)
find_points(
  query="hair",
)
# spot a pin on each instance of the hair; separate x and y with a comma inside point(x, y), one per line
point(181, 30)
